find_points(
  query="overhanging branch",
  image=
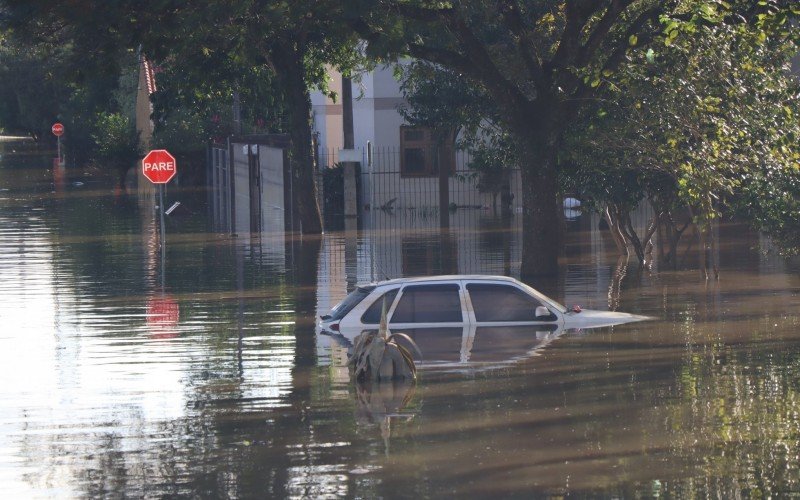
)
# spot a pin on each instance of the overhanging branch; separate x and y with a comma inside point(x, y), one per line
point(512, 19)
point(505, 92)
point(601, 30)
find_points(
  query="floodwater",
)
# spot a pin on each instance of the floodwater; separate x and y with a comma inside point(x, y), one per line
point(199, 371)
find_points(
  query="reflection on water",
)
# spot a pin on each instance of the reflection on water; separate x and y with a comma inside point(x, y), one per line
point(219, 385)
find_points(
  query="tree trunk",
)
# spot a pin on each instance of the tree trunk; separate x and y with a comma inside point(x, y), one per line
point(540, 220)
point(611, 214)
point(288, 60)
point(123, 174)
point(506, 196)
point(349, 170)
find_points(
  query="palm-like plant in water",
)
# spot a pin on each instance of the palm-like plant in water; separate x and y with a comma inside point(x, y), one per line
point(378, 356)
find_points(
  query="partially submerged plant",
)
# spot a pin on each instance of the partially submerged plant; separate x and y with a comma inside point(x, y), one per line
point(378, 356)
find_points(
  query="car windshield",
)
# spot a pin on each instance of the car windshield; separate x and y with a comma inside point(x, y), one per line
point(349, 302)
point(552, 302)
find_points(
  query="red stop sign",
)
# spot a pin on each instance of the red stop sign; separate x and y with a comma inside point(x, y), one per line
point(57, 129)
point(159, 166)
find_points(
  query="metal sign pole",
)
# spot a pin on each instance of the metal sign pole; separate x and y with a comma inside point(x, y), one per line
point(158, 166)
point(163, 235)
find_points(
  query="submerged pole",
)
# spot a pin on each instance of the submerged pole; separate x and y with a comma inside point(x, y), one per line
point(163, 236)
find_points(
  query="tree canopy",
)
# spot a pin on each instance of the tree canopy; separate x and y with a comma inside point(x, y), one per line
point(687, 99)
point(545, 64)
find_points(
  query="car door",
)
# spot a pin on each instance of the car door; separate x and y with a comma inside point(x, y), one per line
point(503, 304)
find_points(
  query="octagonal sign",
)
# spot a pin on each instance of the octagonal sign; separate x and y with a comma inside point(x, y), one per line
point(159, 166)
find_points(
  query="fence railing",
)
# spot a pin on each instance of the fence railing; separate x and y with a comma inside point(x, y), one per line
point(386, 183)
point(219, 175)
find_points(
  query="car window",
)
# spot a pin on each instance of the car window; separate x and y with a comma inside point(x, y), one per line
point(373, 314)
point(353, 299)
point(428, 304)
point(503, 303)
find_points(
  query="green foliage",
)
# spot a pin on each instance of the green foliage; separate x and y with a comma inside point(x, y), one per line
point(182, 132)
point(770, 199)
point(704, 119)
point(491, 157)
point(116, 138)
point(243, 53)
point(50, 72)
point(692, 107)
point(439, 99)
point(31, 88)
point(195, 80)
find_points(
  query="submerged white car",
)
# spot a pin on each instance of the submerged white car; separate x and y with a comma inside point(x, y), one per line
point(457, 302)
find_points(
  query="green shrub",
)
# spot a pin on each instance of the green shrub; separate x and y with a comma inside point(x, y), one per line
point(117, 143)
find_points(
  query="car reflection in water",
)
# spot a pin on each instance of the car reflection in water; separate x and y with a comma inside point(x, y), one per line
point(471, 348)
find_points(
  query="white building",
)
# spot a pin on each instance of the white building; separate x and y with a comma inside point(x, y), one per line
point(400, 163)
point(376, 98)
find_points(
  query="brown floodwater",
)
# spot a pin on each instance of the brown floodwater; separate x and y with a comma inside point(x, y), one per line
point(200, 371)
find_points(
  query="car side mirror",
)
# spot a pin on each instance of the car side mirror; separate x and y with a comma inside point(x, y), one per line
point(542, 312)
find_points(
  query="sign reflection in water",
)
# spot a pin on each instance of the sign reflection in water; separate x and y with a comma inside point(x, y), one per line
point(247, 400)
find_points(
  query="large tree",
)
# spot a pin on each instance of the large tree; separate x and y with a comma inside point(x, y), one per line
point(541, 62)
point(698, 123)
point(293, 41)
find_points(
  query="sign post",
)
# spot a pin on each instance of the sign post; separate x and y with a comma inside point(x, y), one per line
point(58, 130)
point(159, 167)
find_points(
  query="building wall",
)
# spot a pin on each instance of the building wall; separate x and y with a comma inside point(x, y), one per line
point(376, 97)
point(144, 125)
point(270, 191)
point(144, 108)
point(376, 121)
point(241, 182)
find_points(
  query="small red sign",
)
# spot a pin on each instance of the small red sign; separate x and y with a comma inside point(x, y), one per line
point(57, 129)
point(159, 166)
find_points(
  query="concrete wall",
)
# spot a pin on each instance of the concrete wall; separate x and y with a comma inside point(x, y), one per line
point(144, 125)
point(272, 193)
point(271, 221)
point(241, 186)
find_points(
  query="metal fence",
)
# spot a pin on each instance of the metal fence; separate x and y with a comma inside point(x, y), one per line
point(219, 176)
point(385, 185)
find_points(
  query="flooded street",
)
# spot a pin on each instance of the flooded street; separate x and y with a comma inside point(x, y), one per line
point(203, 373)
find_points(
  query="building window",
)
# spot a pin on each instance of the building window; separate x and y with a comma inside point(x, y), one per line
point(421, 153)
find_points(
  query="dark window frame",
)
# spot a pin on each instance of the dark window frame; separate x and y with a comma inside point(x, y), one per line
point(434, 152)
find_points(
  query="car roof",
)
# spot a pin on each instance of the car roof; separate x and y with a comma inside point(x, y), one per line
point(445, 277)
